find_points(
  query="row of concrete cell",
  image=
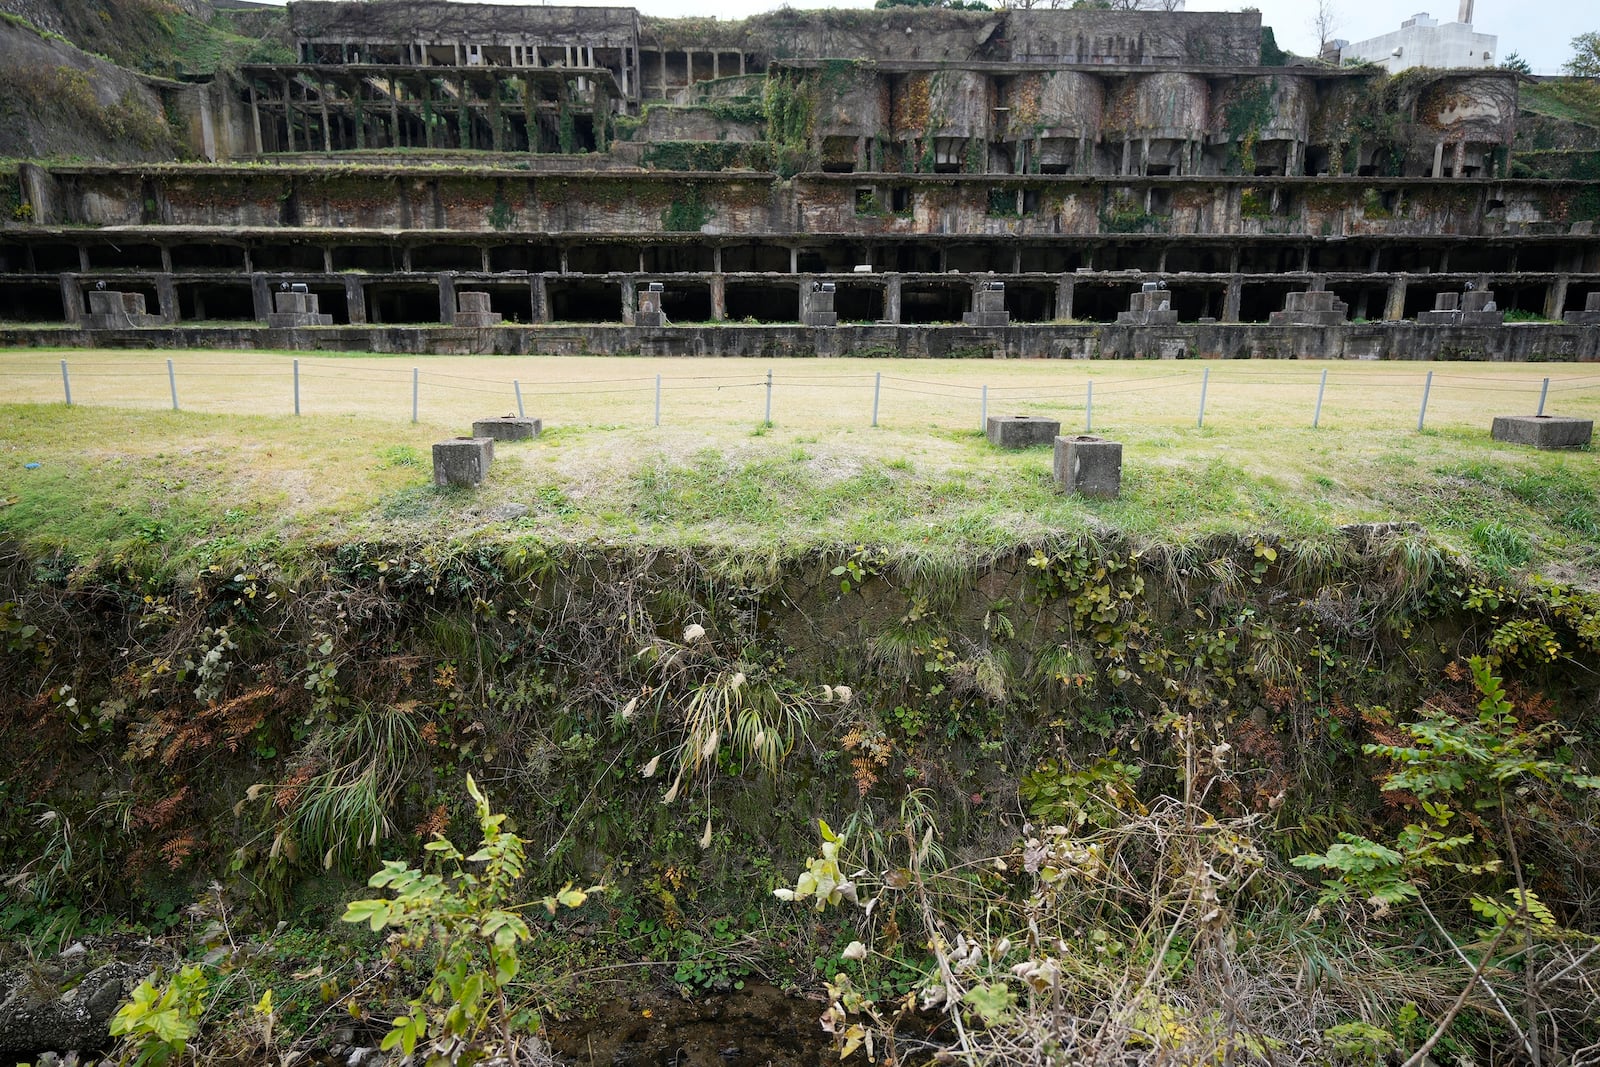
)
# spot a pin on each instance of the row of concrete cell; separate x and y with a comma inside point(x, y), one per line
point(925, 301)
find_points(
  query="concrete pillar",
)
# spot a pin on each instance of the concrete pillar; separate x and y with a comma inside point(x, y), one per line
point(716, 258)
point(447, 298)
point(794, 260)
point(800, 298)
point(1458, 163)
point(1555, 297)
point(538, 299)
point(719, 298)
point(1065, 287)
point(891, 298)
point(1394, 309)
point(630, 301)
point(1438, 159)
point(355, 301)
point(167, 297)
point(71, 300)
point(255, 118)
point(1230, 300)
point(716, 64)
point(288, 114)
point(260, 296)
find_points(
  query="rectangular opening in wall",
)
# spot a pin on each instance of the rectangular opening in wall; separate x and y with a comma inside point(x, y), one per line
point(980, 258)
point(1099, 301)
point(686, 302)
point(762, 303)
point(529, 257)
point(1030, 302)
point(1258, 300)
point(1160, 202)
point(369, 258)
point(1050, 259)
point(858, 303)
point(216, 302)
point(31, 302)
point(56, 259)
point(129, 256)
point(442, 257)
point(207, 257)
point(401, 304)
point(900, 199)
point(911, 257)
point(573, 300)
point(930, 302)
point(867, 201)
point(293, 258)
point(672, 259)
point(755, 258)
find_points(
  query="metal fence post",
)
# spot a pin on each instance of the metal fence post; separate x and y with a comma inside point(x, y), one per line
point(983, 411)
point(1205, 380)
point(1316, 416)
point(297, 387)
point(1544, 391)
point(66, 383)
point(877, 389)
point(658, 400)
point(769, 396)
point(517, 387)
point(1088, 409)
point(172, 380)
point(1422, 415)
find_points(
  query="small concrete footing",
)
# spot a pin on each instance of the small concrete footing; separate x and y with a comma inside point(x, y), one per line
point(819, 309)
point(1316, 307)
point(472, 309)
point(507, 428)
point(296, 308)
point(462, 461)
point(1589, 316)
point(1089, 466)
point(111, 309)
point(650, 314)
point(1150, 306)
point(1020, 431)
point(988, 306)
point(1474, 308)
point(1542, 431)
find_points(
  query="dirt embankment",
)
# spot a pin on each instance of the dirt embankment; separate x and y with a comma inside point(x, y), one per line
point(57, 101)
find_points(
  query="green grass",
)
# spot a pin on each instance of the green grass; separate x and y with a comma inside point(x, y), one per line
point(170, 494)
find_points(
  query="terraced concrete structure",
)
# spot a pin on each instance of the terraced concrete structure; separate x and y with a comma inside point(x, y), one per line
point(561, 160)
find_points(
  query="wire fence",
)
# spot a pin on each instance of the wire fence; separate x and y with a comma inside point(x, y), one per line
point(1086, 397)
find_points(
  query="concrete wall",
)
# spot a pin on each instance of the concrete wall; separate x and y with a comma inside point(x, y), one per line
point(1520, 343)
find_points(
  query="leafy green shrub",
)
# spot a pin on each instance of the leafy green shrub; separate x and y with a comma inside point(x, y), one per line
point(475, 929)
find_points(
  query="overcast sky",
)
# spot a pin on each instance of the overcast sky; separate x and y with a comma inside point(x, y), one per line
point(1538, 30)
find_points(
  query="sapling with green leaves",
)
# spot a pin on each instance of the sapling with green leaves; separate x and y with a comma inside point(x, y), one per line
point(469, 915)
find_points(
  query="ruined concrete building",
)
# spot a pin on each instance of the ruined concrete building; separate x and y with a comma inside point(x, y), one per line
point(966, 182)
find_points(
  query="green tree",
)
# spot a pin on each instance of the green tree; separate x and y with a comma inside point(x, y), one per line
point(1585, 61)
point(475, 929)
point(1515, 62)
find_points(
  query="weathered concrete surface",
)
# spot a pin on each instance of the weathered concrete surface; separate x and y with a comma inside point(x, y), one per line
point(1542, 431)
point(1512, 343)
point(508, 428)
point(1021, 431)
point(462, 461)
point(1089, 466)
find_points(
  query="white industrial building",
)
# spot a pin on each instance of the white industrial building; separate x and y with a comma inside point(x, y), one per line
point(1423, 41)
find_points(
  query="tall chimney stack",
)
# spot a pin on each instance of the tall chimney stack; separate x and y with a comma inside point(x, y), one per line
point(1466, 12)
